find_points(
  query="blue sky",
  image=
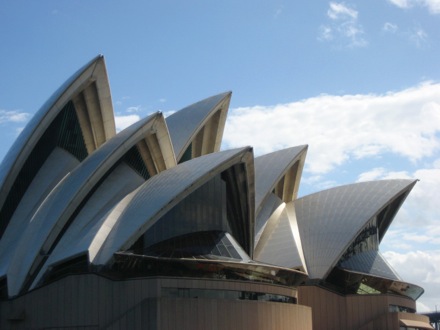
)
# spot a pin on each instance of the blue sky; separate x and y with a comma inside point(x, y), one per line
point(358, 81)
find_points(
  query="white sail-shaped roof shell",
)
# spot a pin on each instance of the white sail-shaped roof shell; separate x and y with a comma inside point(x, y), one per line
point(280, 172)
point(329, 221)
point(279, 243)
point(277, 178)
point(372, 263)
point(56, 211)
point(200, 126)
point(375, 274)
point(95, 119)
point(18, 153)
point(165, 190)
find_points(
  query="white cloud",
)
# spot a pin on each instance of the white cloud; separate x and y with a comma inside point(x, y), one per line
point(380, 173)
point(425, 265)
point(343, 28)
point(339, 128)
point(419, 37)
point(401, 3)
point(422, 268)
point(278, 11)
point(415, 233)
point(421, 206)
point(122, 122)
point(326, 33)
point(133, 109)
point(168, 113)
point(122, 100)
point(390, 27)
point(14, 116)
point(433, 6)
point(341, 11)
point(416, 34)
point(373, 174)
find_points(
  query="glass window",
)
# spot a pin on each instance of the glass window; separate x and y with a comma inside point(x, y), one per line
point(225, 294)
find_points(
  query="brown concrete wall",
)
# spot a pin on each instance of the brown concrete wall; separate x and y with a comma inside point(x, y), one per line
point(201, 314)
point(353, 312)
point(94, 302)
point(375, 309)
point(328, 309)
point(391, 321)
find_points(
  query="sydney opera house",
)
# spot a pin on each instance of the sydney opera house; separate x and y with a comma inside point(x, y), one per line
point(155, 227)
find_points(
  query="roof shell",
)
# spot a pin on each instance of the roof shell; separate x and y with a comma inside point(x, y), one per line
point(372, 263)
point(330, 220)
point(93, 219)
point(53, 170)
point(366, 282)
point(277, 176)
point(271, 168)
point(61, 204)
point(186, 124)
point(277, 244)
point(24, 144)
point(163, 191)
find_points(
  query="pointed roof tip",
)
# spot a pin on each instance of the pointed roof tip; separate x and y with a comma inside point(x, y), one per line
point(271, 168)
point(303, 147)
point(217, 98)
point(412, 182)
point(141, 122)
point(227, 92)
point(227, 95)
point(66, 90)
point(96, 59)
point(99, 57)
point(221, 96)
point(407, 183)
point(298, 149)
point(185, 124)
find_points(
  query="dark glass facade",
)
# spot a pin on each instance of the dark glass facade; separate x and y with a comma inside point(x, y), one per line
point(64, 132)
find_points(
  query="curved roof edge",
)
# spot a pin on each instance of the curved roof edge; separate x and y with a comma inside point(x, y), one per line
point(279, 172)
point(88, 232)
point(265, 272)
point(286, 211)
point(386, 285)
point(31, 134)
point(165, 190)
point(370, 262)
point(63, 201)
point(338, 215)
point(387, 213)
point(200, 125)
